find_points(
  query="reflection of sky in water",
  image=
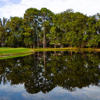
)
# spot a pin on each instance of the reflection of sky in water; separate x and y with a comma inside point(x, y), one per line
point(17, 92)
point(36, 78)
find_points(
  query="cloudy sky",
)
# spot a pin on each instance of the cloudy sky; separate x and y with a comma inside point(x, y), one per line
point(17, 7)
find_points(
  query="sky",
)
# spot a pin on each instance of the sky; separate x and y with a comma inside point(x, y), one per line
point(17, 7)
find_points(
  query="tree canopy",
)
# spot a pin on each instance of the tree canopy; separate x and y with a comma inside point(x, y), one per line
point(43, 28)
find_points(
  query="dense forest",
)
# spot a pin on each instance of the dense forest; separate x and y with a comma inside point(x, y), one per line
point(43, 28)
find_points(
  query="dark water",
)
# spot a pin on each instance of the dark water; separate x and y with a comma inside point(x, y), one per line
point(51, 76)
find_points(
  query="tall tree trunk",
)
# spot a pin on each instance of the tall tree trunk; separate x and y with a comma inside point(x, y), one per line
point(44, 39)
point(37, 41)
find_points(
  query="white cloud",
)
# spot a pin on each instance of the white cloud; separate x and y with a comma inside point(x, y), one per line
point(88, 7)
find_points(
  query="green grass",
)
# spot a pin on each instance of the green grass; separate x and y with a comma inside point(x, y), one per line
point(14, 52)
point(6, 53)
point(68, 49)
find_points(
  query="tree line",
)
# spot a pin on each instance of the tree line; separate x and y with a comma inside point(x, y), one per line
point(43, 28)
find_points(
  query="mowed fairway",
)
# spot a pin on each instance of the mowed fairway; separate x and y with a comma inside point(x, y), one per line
point(14, 52)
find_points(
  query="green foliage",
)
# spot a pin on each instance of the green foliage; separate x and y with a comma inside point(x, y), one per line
point(14, 52)
point(43, 28)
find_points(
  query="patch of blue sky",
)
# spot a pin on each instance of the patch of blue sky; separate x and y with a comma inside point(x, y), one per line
point(15, 1)
point(6, 2)
point(2, 3)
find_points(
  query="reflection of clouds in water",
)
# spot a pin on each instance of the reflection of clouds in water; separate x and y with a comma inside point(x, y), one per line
point(4, 98)
point(14, 88)
point(8, 92)
point(91, 93)
point(56, 94)
point(88, 93)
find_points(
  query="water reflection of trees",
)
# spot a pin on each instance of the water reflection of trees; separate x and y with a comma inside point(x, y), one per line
point(43, 72)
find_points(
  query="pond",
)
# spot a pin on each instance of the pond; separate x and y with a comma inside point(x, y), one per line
point(51, 76)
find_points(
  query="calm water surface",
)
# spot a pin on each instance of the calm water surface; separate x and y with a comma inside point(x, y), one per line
point(51, 76)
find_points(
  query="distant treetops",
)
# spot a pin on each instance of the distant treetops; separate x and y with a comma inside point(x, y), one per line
point(43, 28)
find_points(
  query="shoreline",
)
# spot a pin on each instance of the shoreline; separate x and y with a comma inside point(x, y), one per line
point(6, 53)
point(74, 49)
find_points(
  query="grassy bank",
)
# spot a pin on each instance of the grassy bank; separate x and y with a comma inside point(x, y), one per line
point(68, 49)
point(14, 52)
point(18, 52)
